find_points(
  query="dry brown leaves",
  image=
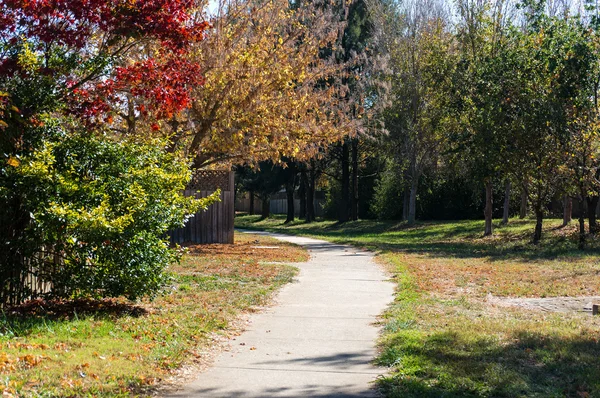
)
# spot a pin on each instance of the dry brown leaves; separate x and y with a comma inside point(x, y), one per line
point(249, 246)
point(67, 308)
point(480, 276)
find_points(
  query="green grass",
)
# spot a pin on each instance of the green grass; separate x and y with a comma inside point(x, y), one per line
point(115, 348)
point(442, 338)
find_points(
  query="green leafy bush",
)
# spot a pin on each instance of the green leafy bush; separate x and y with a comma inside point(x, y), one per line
point(100, 209)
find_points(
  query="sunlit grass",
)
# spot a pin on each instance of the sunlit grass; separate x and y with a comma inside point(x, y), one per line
point(132, 348)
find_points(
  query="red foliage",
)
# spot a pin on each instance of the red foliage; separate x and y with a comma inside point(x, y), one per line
point(178, 76)
point(71, 22)
point(96, 30)
point(164, 86)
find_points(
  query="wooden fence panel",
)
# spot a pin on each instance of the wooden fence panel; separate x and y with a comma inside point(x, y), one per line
point(215, 225)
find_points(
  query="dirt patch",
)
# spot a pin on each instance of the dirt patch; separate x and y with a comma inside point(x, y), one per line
point(548, 304)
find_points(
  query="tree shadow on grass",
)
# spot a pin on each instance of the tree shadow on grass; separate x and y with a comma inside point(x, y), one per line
point(21, 319)
point(445, 364)
point(456, 239)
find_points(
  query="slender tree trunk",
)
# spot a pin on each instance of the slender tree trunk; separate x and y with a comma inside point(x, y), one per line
point(591, 211)
point(354, 204)
point(582, 202)
point(289, 191)
point(345, 194)
point(489, 203)
point(567, 210)
point(251, 212)
point(290, 188)
point(539, 219)
point(302, 193)
point(412, 201)
point(310, 195)
point(405, 200)
point(524, 200)
point(266, 207)
point(506, 213)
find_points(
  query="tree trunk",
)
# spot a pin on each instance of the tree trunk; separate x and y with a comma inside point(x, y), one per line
point(251, 212)
point(582, 202)
point(310, 195)
point(354, 204)
point(345, 194)
point(405, 200)
point(302, 193)
point(266, 207)
point(506, 213)
point(567, 210)
point(539, 219)
point(489, 203)
point(591, 211)
point(289, 191)
point(412, 201)
point(524, 199)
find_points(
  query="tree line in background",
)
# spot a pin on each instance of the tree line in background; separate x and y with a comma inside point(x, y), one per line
point(484, 100)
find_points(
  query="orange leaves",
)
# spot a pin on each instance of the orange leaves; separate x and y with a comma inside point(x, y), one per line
point(148, 381)
point(23, 346)
point(61, 347)
point(83, 366)
point(14, 162)
point(10, 363)
point(29, 361)
point(69, 383)
point(13, 362)
point(101, 357)
point(158, 87)
point(8, 389)
point(6, 363)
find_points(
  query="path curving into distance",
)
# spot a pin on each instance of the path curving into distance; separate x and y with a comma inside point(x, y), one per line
point(318, 340)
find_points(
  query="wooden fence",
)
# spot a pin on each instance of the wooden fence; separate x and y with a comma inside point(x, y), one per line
point(278, 204)
point(215, 225)
point(30, 279)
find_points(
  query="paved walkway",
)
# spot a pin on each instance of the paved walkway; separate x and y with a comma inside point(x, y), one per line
point(318, 341)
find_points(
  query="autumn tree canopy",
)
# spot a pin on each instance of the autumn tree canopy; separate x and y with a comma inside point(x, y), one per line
point(269, 89)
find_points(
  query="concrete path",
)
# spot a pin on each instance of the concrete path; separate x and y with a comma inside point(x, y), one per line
point(319, 338)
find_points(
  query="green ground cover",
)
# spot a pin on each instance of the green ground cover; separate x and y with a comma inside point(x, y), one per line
point(443, 337)
point(116, 348)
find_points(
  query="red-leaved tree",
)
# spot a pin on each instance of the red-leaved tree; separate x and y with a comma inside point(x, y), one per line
point(69, 186)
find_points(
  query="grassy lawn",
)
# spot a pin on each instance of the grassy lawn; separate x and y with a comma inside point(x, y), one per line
point(115, 348)
point(444, 338)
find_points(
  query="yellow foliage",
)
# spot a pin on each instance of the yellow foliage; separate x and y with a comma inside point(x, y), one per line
point(27, 58)
point(265, 94)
